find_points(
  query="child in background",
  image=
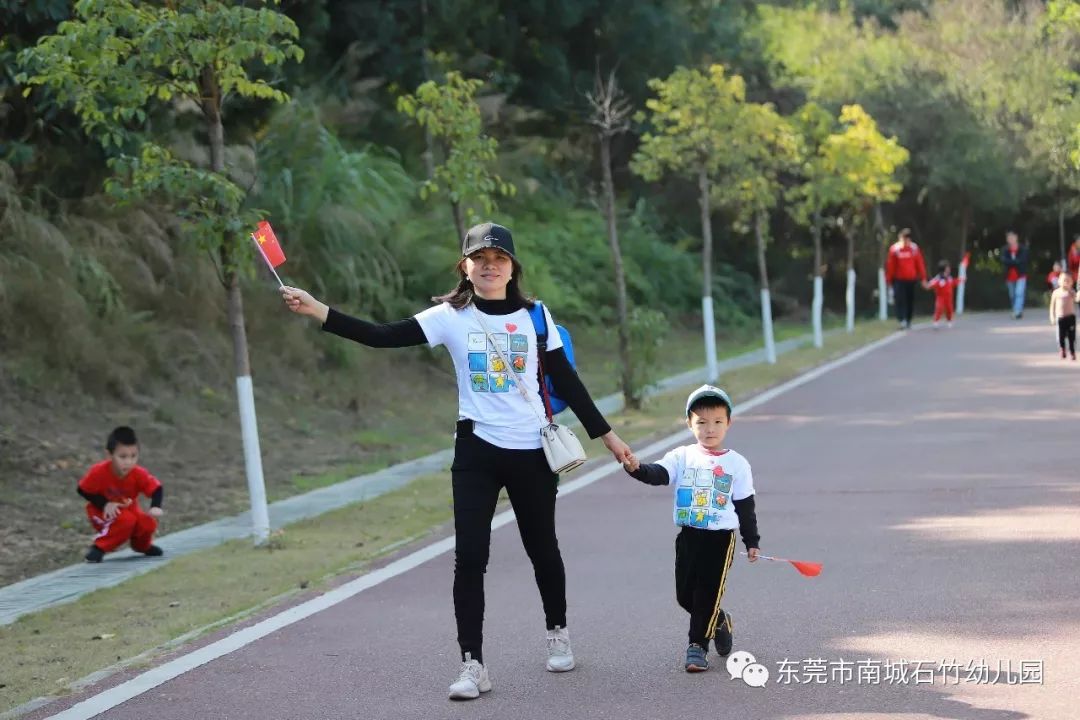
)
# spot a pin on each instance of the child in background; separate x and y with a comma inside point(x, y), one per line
point(1063, 312)
point(1052, 278)
point(111, 489)
point(943, 286)
point(714, 496)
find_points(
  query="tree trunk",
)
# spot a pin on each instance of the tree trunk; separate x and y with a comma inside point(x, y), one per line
point(965, 228)
point(459, 221)
point(766, 299)
point(819, 280)
point(849, 293)
point(631, 395)
point(880, 240)
point(235, 303)
point(712, 369)
point(1061, 232)
point(429, 141)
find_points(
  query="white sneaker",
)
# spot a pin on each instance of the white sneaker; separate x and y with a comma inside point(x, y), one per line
point(472, 681)
point(560, 656)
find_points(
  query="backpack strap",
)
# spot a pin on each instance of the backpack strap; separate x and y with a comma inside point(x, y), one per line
point(536, 314)
point(539, 321)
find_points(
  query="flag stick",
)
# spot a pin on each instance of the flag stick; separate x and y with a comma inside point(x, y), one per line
point(809, 569)
point(261, 252)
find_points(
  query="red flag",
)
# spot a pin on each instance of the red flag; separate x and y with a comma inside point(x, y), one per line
point(269, 245)
point(966, 260)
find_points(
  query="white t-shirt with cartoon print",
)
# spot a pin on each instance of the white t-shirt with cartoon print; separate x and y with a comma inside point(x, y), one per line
point(486, 392)
point(706, 485)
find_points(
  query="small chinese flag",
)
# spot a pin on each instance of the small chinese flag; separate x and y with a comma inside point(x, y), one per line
point(269, 245)
point(966, 260)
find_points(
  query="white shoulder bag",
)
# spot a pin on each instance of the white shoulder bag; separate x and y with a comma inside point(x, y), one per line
point(561, 447)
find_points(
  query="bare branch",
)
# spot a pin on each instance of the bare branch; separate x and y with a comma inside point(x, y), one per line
point(611, 108)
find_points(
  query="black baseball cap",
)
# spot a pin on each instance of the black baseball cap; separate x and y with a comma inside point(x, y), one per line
point(487, 235)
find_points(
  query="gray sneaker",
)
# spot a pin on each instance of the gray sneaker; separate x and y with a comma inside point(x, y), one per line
point(560, 656)
point(472, 681)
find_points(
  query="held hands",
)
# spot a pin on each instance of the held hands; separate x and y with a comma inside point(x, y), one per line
point(631, 463)
point(619, 449)
point(752, 554)
point(302, 303)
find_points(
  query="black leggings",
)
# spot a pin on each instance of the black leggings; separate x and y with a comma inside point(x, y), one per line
point(1067, 331)
point(702, 559)
point(479, 471)
point(904, 297)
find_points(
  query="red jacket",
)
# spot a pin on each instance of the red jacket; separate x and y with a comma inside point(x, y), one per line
point(101, 480)
point(943, 286)
point(1074, 261)
point(904, 263)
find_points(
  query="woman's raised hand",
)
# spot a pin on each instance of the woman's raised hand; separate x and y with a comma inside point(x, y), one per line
point(301, 302)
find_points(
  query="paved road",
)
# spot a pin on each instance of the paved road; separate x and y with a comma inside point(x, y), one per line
point(936, 478)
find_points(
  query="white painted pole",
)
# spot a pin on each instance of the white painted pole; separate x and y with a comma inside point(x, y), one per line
point(960, 290)
point(710, 338)
point(883, 296)
point(815, 312)
point(849, 300)
point(260, 516)
point(767, 327)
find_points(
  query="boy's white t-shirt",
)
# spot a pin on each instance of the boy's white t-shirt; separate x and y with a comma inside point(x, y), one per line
point(706, 486)
point(486, 392)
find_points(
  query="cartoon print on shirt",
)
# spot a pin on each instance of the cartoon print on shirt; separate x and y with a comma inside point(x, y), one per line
point(499, 382)
point(684, 497)
point(702, 477)
point(699, 518)
point(488, 372)
point(701, 498)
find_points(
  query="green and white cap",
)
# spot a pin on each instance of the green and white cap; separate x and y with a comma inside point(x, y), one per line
point(708, 391)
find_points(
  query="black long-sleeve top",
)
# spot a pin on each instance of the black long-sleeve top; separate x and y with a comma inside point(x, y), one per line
point(99, 501)
point(408, 333)
point(657, 474)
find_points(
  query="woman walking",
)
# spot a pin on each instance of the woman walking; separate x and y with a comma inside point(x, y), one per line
point(485, 324)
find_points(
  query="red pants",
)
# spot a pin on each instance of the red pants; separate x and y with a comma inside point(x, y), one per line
point(943, 306)
point(130, 524)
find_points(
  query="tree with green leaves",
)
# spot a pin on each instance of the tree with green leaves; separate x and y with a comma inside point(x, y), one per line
point(119, 63)
point(807, 199)
point(763, 147)
point(449, 111)
point(860, 166)
point(694, 117)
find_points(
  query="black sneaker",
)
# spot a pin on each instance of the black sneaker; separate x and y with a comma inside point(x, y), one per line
point(153, 551)
point(696, 660)
point(95, 554)
point(723, 638)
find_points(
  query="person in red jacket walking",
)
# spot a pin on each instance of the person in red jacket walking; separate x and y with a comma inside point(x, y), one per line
point(1072, 263)
point(904, 267)
point(111, 489)
point(943, 286)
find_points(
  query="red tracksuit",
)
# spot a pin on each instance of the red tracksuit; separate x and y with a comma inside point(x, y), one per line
point(943, 287)
point(904, 263)
point(131, 523)
point(1073, 261)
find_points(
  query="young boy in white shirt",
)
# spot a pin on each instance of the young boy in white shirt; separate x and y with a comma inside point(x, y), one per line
point(714, 496)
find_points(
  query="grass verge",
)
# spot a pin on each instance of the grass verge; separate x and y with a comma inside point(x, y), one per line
point(45, 653)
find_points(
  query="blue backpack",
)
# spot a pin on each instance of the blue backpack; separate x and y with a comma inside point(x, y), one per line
point(539, 321)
